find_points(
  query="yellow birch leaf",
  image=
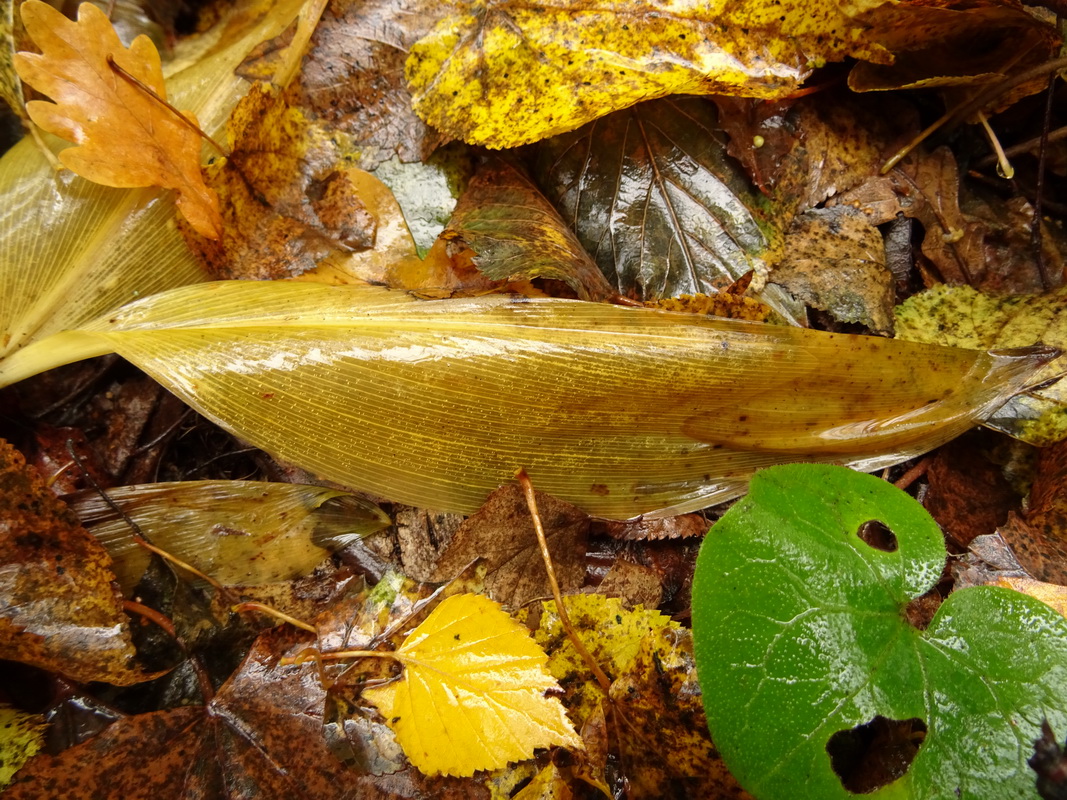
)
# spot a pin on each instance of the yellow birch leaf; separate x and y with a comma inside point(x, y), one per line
point(21, 737)
point(472, 693)
point(620, 411)
point(125, 138)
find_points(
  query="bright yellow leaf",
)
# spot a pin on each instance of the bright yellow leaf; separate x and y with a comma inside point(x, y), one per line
point(507, 73)
point(21, 737)
point(125, 137)
point(472, 693)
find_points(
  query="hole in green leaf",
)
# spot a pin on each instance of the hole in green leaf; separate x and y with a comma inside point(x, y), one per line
point(875, 754)
point(878, 536)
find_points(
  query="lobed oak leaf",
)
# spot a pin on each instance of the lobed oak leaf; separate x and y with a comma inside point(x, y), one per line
point(472, 693)
point(125, 137)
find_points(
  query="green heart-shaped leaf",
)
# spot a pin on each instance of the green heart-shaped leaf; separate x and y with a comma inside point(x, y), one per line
point(801, 632)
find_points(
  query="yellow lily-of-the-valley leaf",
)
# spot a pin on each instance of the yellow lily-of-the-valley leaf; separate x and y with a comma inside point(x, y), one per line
point(502, 73)
point(621, 411)
point(472, 694)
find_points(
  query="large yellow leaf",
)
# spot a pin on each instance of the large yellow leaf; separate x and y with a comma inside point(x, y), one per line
point(621, 411)
point(472, 693)
point(504, 73)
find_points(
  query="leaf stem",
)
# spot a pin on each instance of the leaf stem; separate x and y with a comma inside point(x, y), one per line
point(126, 76)
point(564, 619)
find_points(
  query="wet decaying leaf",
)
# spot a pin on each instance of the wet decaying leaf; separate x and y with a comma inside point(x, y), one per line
point(957, 44)
point(833, 259)
point(971, 240)
point(471, 695)
point(723, 304)
point(353, 77)
point(967, 492)
point(21, 737)
point(59, 609)
point(124, 137)
point(655, 200)
point(654, 722)
point(502, 533)
point(961, 316)
point(1039, 537)
point(284, 204)
point(237, 532)
point(814, 148)
point(516, 234)
point(612, 634)
point(506, 73)
point(663, 740)
point(622, 411)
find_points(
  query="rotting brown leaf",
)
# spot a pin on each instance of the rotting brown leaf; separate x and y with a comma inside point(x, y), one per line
point(634, 584)
point(1039, 539)
point(957, 45)
point(516, 234)
point(814, 148)
point(124, 137)
point(352, 79)
point(59, 609)
point(833, 259)
point(680, 527)
point(284, 204)
point(658, 718)
point(967, 493)
point(502, 533)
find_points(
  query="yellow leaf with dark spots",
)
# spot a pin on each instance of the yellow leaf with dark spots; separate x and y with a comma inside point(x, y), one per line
point(502, 74)
point(472, 693)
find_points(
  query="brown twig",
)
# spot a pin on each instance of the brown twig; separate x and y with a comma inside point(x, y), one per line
point(564, 619)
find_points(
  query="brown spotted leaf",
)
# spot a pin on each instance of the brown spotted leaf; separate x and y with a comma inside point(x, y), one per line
point(1039, 539)
point(59, 609)
point(502, 533)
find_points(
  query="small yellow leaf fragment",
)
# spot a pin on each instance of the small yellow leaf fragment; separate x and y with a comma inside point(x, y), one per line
point(472, 693)
point(21, 737)
point(1051, 594)
point(125, 137)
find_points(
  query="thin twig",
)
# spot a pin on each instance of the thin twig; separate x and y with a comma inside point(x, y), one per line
point(1035, 229)
point(126, 76)
point(564, 619)
point(273, 612)
point(1004, 167)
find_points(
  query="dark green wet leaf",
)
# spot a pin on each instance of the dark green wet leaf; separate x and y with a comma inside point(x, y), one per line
point(800, 633)
point(655, 199)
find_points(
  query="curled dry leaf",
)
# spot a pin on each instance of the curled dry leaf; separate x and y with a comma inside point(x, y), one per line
point(59, 609)
point(622, 411)
point(125, 137)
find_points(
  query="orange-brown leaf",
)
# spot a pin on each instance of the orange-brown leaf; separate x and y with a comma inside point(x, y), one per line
point(125, 137)
point(59, 609)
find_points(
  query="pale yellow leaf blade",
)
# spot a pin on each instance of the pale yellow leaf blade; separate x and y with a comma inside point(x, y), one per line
point(237, 532)
point(472, 693)
point(621, 411)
